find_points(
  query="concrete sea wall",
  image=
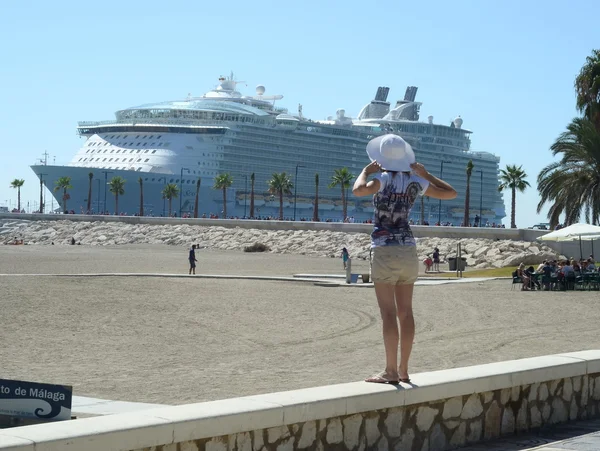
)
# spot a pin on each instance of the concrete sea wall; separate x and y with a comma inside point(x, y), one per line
point(441, 410)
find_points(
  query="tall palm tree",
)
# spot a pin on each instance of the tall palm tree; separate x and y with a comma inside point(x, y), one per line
point(170, 192)
point(572, 185)
point(280, 184)
point(141, 182)
point(316, 210)
point(116, 185)
point(17, 184)
point(587, 87)
point(252, 178)
point(64, 183)
point(89, 204)
point(470, 166)
point(222, 182)
point(513, 178)
point(198, 182)
point(342, 177)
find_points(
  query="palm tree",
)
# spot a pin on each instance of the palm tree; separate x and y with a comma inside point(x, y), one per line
point(18, 183)
point(587, 87)
point(117, 187)
point(280, 184)
point(342, 177)
point(89, 204)
point(197, 195)
point(63, 183)
point(572, 185)
point(513, 178)
point(223, 181)
point(470, 166)
point(141, 182)
point(170, 192)
point(316, 210)
point(252, 195)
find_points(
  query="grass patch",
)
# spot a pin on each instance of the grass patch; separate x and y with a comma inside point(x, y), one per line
point(493, 272)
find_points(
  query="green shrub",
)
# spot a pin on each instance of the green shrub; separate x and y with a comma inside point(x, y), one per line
point(257, 247)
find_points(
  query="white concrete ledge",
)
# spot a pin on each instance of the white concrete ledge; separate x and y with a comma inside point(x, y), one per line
point(167, 425)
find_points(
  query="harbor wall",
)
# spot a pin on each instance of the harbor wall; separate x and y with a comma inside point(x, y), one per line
point(440, 410)
point(419, 231)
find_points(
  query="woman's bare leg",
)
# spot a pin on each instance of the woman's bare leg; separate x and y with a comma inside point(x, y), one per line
point(404, 295)
point(387, 308)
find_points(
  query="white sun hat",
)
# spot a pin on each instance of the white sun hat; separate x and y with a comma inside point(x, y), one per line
point(391, 152)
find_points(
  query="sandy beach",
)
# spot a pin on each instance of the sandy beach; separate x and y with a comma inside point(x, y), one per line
point(174, 340)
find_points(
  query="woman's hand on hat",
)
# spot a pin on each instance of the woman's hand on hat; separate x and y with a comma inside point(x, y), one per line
point(372, 168)
point(419, 169)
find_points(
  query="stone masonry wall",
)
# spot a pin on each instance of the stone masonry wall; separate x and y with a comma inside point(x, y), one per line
point(434, 426)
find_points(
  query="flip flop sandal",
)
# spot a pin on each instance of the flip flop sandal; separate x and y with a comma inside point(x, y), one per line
point(405, 381)
point(380, 379)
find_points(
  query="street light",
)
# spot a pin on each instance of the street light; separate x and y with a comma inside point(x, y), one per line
point(480, 198)
point(98, 198)
point(296, 187)
point(440, 203)
point(181, 187)
point(105, 186)
point(163, 195)
point(42, 192)
point(245, 193)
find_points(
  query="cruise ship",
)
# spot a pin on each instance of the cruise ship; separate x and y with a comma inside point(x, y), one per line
point(224, 131)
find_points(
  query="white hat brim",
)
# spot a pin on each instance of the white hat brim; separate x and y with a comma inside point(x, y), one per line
point(400, 165)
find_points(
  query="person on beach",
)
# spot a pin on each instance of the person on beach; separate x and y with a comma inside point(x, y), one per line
point(345, 257)
point(398, 182)
point(192, 259)
point(436, 259)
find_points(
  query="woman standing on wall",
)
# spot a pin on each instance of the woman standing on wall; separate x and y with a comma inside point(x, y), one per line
point(399, 180)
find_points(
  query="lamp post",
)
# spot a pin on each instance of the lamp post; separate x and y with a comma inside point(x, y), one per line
point(98, 198)
point(42, 192)
point(163, 196)
point(296, 187)
point(440, 203)
point(105, 186)
point(480, 198)
point(181, 187)
point(245, 193)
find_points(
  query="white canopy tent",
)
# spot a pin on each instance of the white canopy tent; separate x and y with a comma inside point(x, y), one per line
point(576, 232)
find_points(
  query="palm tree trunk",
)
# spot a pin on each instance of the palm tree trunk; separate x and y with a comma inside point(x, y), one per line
point(252, 198)
point(224, 203)
point(116, 204)
point(197, 195)
point(344, 208)
point(89, 204)
point(467, 202)
point(513, 224)
point(65, 199)
point(170, 201)
point(281, 205)
point(316, 210)
point(19, 198)
point(422, 220)
point(141, 199)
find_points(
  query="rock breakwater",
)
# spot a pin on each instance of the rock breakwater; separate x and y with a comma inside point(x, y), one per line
point(480, 253)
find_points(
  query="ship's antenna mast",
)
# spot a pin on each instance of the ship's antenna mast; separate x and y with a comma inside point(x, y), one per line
point(45, 154)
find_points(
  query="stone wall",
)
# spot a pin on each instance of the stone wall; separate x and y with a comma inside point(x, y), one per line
point(441, 410)
point(438, 425)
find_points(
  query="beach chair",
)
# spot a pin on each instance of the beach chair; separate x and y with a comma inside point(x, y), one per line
point(516, 280)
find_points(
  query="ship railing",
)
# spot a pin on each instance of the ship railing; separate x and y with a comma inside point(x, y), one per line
point(148, 121)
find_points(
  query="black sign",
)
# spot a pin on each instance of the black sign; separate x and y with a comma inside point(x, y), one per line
point(32, 400)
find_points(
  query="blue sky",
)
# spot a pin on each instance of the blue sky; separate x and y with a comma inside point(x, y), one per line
point(507, 67)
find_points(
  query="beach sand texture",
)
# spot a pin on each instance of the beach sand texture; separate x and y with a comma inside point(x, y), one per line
point(175, 341)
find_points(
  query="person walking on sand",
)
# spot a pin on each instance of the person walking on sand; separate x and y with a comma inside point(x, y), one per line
point(192, 259)
point(398, 182)
point(345, 257)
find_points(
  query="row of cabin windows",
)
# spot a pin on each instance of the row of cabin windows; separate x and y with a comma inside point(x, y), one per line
point(124, 136)
point(125, 144)
point(119, 151)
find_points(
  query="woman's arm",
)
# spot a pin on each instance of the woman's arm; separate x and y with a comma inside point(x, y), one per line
point(362, 187)
point(438, 189)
